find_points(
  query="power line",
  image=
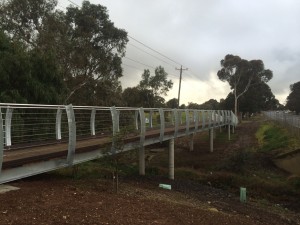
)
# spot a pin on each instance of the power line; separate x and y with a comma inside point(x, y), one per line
point(151, 54)
point(154, 50)
point(133, 60)
point(73, 3)
point(142, 70)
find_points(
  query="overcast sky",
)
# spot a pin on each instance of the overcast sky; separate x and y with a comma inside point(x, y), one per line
point(199, 33)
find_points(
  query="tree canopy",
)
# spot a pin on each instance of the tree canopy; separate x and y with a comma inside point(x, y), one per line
point(28, 76)
point(293, 99)
point(148, 92)
point(83, 43)
point(241, 74)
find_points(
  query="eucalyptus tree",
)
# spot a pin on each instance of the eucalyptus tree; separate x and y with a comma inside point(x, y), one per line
point(85, 42)
point(241, 74)
point(155, 86)
point(28, 76)
point(293, 99)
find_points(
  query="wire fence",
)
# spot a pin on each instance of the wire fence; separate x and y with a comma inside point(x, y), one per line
point(290, 121)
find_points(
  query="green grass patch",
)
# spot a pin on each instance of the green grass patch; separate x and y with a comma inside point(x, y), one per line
point(270, 137)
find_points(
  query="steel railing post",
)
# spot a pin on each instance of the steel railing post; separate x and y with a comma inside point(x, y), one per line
point(162, 124)
point(187, 121)
point(72, 133)
point(8, 118)
point(92, 122)
point(58, 124)
point(196, 118)
point(203, 119)
point(136, 121)
point(114, 118)
point(142, 142)
point(151, 118)
point(176, 121)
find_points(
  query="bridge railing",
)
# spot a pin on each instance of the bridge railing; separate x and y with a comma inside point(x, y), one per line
point(39, 138)
point(34, 124)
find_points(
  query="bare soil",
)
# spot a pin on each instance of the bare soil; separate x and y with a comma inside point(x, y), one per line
point(52, 199)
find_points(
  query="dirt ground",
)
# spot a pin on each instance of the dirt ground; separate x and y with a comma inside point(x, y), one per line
point(50, 199)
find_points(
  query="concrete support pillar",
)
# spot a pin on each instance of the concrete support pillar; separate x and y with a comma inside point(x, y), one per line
point(211, 139)
point(228, 132)
point(142, 160)
point(191, 142)
point(171, 159)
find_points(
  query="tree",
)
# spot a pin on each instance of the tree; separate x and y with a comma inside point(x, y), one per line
point(98, 46)
point(172, 103)
point(241, 74)
point(154, 86)
point(211, 104)
point(157, 83)
point(88, 46)
point(28, 76)
point(24, 20)
point(293, 99)
point(258, 98)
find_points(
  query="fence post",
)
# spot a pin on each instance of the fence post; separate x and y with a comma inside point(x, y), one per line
point(72, 134)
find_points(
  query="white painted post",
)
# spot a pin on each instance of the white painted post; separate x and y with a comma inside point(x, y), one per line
point(171, 159)
point(211, 139)
point(142, 160)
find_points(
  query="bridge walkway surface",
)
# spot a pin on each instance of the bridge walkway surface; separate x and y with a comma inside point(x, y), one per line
point(39, 138)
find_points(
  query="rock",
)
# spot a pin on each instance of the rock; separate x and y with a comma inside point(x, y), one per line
point(213, 209)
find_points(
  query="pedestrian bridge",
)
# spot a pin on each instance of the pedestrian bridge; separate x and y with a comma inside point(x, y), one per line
point(36, 139)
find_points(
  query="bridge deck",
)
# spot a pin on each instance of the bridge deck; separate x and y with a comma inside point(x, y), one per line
point(30, 154)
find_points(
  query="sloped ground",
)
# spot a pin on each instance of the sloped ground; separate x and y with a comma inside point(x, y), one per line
point(53, 199)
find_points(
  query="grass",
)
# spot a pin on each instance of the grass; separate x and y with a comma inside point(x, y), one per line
point(271, 136)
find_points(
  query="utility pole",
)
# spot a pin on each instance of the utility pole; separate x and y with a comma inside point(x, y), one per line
point(180, 84)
